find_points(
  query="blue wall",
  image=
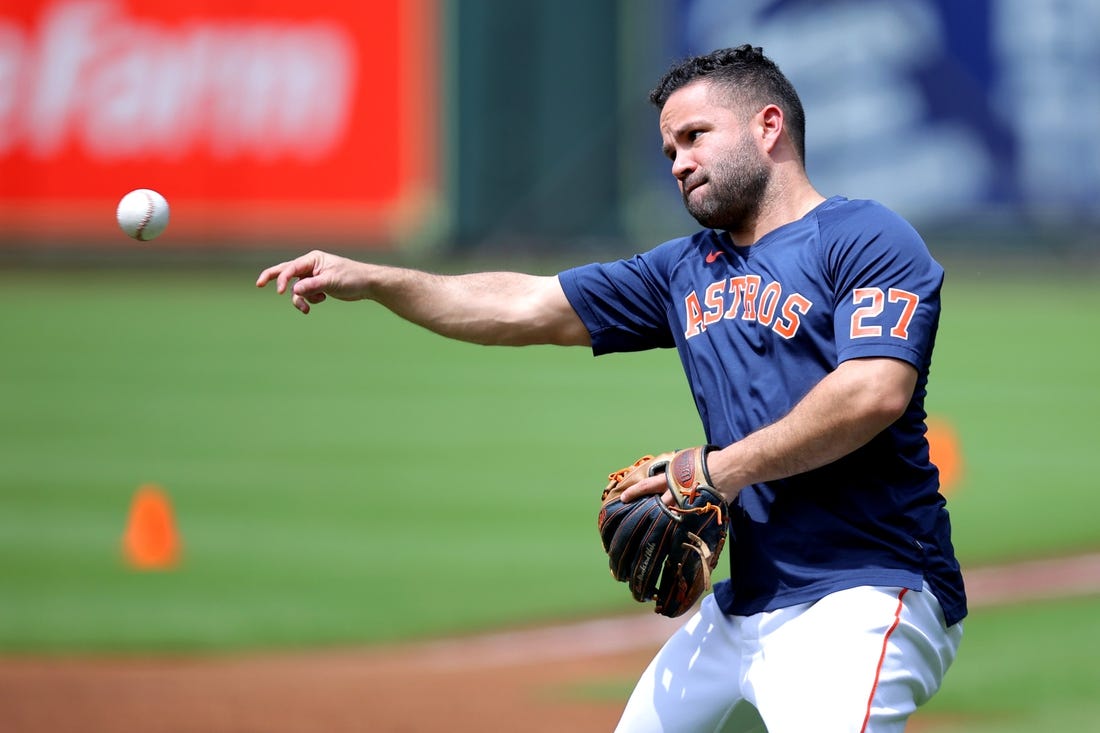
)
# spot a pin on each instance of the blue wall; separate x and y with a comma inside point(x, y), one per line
point(946, 109)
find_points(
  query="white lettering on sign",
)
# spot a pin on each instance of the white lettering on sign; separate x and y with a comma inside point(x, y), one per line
point(120, 87)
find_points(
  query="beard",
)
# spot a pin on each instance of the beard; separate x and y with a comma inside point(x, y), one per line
point(734, 191)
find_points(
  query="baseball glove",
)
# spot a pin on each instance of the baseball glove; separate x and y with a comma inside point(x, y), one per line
point(665, 553)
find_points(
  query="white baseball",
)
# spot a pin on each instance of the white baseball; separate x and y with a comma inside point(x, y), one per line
point(143, 214)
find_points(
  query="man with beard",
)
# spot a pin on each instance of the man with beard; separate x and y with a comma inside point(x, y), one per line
point(805, 326)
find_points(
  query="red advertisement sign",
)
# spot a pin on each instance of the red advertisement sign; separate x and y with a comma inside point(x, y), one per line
point(256, 120)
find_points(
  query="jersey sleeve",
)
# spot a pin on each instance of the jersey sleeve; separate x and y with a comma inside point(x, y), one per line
point(623, 304)
point(887, 288)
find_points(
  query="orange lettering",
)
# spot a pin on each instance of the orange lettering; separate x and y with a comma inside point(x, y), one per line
point(901, 329)
point(874, 308)
point(694, 314)
point(713, 299)
point(752, 288)
point(737, 287)
point(789, 320)
point(769, 298)
point(871, 310)
point(744, 297)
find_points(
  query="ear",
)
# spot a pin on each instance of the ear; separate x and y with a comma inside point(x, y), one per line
point(769, 125)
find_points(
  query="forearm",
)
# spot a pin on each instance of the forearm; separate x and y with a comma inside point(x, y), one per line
point(485, 308)
point(842, 413)
point(492, 308)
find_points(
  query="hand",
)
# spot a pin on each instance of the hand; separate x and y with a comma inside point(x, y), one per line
point(635, 483)
point(319, 275)
point(649, 485)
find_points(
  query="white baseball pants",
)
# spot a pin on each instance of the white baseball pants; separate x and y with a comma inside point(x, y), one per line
point(857, 661)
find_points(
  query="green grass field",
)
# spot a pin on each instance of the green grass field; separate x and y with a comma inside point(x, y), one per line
point(1022, 669)
point(336, 478)
point(347, 478)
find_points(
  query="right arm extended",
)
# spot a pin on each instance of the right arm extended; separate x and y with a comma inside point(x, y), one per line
point(498, 308)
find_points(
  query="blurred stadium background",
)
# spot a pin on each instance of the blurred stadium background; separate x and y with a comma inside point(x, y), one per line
point(460, 134)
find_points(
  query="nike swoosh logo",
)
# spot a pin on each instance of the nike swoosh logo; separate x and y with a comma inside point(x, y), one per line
point(714, 255)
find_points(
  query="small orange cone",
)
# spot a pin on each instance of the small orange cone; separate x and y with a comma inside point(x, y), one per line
point(945, 452)
point(151, 541)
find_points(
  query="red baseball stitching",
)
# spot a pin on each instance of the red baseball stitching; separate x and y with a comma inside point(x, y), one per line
point(148, 216)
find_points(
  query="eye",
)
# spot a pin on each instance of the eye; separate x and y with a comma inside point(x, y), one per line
point(684, 138)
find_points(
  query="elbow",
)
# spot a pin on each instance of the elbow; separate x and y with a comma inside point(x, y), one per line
point(891, 407)
point(888, 401)
point(885, 391)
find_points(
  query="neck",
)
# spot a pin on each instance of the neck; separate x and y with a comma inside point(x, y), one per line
point(783, 202)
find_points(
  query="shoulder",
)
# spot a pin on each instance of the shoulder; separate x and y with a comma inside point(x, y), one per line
point(860, 218)
point(678, 250)
point(862, 238)
point(664, 260)
point(650, 271)
point(863, 227)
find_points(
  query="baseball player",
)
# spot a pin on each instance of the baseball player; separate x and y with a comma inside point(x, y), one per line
point(805, 326)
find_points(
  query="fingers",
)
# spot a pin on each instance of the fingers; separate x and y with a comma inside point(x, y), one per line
point(284, 272)
point(315, 277)
point(281, 273)
point(300, 303)
point(272, 272)
point(648, 485)
point(308, 290)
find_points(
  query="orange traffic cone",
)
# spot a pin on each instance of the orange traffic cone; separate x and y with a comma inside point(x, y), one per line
point(151, 541)
point(945, 452)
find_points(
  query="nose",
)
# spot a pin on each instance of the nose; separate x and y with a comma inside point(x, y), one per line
point(682, 166)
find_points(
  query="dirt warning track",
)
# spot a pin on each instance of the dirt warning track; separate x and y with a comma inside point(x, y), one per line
point(569, 677)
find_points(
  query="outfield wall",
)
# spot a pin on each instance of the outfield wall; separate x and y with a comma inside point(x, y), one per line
point(258, 120)
point(493, 124)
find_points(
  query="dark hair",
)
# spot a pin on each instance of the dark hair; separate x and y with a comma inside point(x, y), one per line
point(749, 77)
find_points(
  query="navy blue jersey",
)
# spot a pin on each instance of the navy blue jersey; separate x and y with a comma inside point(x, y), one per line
point(756, 328)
